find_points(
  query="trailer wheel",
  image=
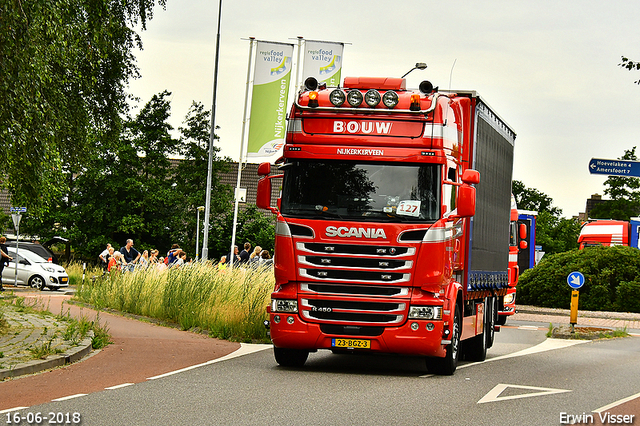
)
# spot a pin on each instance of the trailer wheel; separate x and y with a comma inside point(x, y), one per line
point(290, 357)
point(447, 366)
point(502, 320)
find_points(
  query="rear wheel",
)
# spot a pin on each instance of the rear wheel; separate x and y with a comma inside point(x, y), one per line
point(290, 357)
point(447, 366)
point(37, 282)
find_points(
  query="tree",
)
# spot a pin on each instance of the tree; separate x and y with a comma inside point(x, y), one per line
point(624, 193)
point(630, 65)
point(554, 233)
point(65, 66)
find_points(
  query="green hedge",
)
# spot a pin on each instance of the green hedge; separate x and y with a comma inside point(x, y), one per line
point(612, 280)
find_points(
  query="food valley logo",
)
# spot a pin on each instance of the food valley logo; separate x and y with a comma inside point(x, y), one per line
point(283, 63)
point(344, 232)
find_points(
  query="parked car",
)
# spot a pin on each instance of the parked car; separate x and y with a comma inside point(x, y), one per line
point(42, 250)
point(34, 271)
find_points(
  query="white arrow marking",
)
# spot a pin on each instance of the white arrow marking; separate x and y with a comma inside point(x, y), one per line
point(575, 279)
point(494, 394)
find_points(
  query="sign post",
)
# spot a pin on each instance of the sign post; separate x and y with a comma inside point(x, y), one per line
point(626, 168)
point(575, 281)
point(16, 215)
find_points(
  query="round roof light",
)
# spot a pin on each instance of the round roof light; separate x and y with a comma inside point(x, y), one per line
point(354, 97)
point(311, 83)
point(337, 97)
point(390, 99)
point(372, 97)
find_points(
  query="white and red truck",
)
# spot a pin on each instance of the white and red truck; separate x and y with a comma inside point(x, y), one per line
point(605, 232)
point(392, 232)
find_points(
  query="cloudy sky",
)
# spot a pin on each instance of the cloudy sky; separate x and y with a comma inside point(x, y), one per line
point(548, 68)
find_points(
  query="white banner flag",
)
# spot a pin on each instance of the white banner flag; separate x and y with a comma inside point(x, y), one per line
point(267, 128)
point(323, 60)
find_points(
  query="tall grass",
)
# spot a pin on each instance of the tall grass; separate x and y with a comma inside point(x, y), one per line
point(74, 270)
point(230, 305)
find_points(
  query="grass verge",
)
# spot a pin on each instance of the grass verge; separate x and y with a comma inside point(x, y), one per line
point(230, 305)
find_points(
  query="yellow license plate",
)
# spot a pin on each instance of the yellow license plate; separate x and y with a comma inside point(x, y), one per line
point(351, 343)
point(64, 279)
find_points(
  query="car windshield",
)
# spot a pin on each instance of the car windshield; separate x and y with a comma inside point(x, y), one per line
point(361, 191)
point(26, 254)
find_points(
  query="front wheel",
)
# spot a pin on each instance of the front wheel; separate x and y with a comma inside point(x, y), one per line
point(447, 366)
point(37, 282)
point(290, 357)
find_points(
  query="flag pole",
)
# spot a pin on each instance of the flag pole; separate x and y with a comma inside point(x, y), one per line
point(242, 153)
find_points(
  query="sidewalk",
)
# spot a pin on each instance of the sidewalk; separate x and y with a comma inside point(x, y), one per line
point(613, 320)
point(36, 341)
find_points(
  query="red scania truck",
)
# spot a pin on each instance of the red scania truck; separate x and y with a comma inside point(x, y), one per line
point(392, 231)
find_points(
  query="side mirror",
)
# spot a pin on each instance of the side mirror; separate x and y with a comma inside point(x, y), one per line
point(263, 197)
point(466, 201)
point(264, 169)
point(471, 176)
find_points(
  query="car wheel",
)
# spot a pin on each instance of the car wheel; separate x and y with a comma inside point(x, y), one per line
point(37, 282)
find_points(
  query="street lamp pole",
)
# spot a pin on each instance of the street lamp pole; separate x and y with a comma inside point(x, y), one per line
point(200, 209)
point(207, 204)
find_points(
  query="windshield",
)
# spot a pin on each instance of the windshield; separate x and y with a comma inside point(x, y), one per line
point(362, 191)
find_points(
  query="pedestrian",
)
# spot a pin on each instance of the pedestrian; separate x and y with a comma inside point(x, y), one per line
point(265, 258)
point(114, 261)
point(180, 257)
point(130, 255)
point(144, 260)
point(222, 265)
point(254, 257)
point(244, 254)
point(153, 257)
point(104, 257)
point(4, 258)
point(171, 254)
point(233, 258)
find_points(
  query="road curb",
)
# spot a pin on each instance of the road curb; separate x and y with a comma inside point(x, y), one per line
point(72, 355)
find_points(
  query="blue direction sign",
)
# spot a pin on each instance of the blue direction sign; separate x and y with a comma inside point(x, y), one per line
point(18, 209)
point(628, 168)
point(575, 280)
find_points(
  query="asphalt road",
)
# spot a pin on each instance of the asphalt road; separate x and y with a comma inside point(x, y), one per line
point(526, 380)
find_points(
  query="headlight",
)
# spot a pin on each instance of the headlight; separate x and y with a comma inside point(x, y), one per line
point(372, 97)
point(48, 268)
point(425, 312)
point(509, 298)
point(354, 97)
point(390, 99)
point(337, 97)
point(284, 305)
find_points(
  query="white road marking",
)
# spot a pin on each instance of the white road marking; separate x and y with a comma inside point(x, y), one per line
point(124, 385)
point(245, 349)
point(547, 345)
point(494, 394)
point(64, 398)
point(8, 410)
point(615, 404)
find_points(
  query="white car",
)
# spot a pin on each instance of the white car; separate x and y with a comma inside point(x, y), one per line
point(34, 271)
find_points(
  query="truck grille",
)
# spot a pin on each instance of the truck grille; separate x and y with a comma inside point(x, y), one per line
point(366, 305)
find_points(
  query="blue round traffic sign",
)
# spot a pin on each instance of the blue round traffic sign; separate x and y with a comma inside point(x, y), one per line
point(575, 280)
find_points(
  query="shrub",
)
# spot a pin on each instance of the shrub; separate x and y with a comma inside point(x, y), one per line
point(610, 279)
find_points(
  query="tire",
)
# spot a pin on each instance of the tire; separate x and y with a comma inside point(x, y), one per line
point(502, 320)
point(492, 304)
point(37, 282)
point(447, 366)
point(290, 357)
